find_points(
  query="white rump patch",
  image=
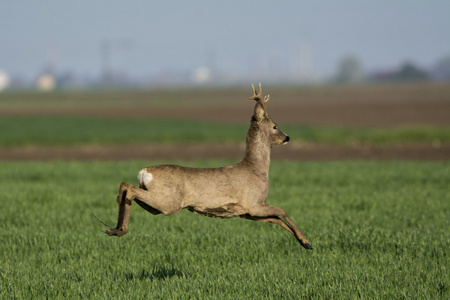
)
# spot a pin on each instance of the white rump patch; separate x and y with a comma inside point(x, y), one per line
point(144, 178)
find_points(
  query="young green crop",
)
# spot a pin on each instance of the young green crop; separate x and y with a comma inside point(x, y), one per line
point(379, 230)
point(51, 130)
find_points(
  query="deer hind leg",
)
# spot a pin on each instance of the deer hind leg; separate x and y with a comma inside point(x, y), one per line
point(128, 193)
point(124, 212)
point(276, 215)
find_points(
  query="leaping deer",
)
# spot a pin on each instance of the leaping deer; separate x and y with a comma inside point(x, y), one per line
point(238, 190)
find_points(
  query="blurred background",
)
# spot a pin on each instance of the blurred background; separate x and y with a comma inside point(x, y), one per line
point(85, 44)
point(351, 74)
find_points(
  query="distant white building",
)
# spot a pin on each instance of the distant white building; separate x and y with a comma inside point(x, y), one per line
point(202, 75)
point(46, 82)
point(4, 80)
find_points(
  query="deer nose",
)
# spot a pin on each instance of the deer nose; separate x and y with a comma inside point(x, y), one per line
point(287, 139)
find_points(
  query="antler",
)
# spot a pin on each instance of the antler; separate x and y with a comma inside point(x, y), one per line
point(260, 101)
point(259, 95)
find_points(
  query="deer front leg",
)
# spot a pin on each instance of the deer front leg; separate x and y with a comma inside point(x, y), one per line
point(274, 220)
point(276, 215)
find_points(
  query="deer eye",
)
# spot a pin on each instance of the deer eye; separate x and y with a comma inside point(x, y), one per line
point(275, 127)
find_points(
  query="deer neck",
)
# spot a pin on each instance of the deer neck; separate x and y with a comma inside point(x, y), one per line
point(257, 151)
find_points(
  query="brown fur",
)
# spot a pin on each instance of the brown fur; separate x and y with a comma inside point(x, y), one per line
point(238, 190)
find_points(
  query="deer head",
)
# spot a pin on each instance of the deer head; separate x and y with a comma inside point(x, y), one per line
point(261, 121)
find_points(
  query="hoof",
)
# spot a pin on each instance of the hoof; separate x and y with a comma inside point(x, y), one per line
point(115, 232)
point(307, 247)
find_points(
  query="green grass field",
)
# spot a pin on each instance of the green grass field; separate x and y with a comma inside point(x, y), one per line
point(54, 130)
point(379, 230)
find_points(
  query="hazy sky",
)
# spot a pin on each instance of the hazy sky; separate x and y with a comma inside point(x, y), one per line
point(148, 37)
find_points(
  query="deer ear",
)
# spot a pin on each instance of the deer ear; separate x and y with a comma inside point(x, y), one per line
point(259, 111)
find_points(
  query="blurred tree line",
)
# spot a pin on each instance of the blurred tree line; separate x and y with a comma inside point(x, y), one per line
point(350, 70)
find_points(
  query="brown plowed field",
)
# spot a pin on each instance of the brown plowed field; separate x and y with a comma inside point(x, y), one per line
point(374, 105)
point(303, 152)
point(385, 106)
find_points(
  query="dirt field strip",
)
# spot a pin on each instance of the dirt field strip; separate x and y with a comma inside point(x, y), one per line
point(383, 106)
point(344, 113)
point(188, 152)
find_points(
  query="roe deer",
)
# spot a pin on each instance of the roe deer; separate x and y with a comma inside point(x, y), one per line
point(238, 190)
